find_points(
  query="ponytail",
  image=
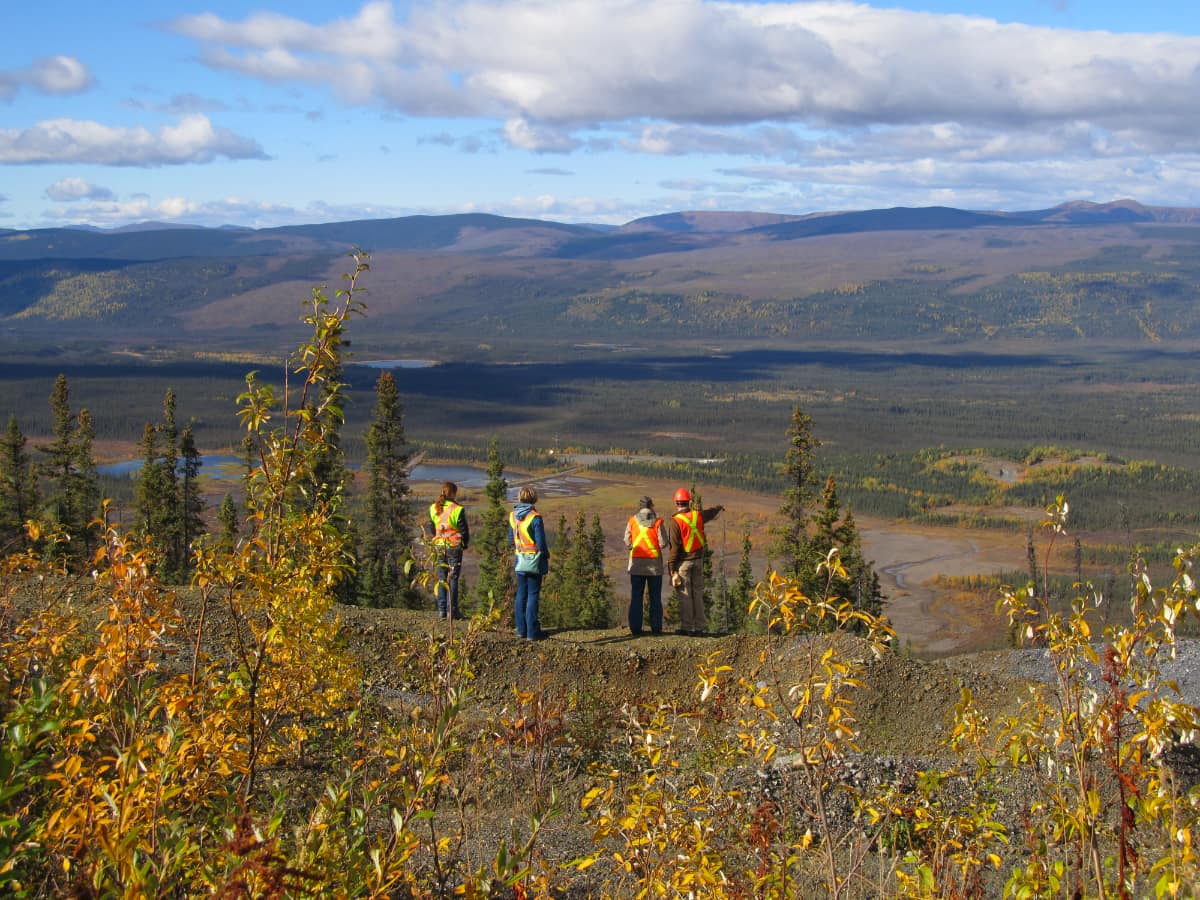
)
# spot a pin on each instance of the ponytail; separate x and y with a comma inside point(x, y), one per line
point(449, 492)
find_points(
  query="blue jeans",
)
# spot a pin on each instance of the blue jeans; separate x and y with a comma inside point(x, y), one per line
point(639, 584)
point(529, 593)
point(447, 569)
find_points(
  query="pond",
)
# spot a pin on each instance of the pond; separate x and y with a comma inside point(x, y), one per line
point(396, 363)
point(466, 477)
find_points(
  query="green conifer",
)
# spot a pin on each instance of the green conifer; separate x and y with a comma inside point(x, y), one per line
point(389, 527)
point(496, 578)
point(18, 486)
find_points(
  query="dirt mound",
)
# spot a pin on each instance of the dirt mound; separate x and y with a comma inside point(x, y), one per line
point(902, 709)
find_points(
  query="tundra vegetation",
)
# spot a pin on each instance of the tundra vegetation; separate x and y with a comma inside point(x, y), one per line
point(148, 741)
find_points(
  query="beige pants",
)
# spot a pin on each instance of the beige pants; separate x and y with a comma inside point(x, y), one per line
point(691, 595)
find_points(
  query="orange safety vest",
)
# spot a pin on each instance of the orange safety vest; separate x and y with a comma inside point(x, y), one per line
point(691, 530)
point(523, 540)
point(446, 532)
point(644, 541)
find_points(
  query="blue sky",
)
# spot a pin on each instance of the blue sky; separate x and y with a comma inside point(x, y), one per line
point(293, 111)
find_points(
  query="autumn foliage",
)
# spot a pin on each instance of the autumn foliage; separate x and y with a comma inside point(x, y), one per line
point(145, 748)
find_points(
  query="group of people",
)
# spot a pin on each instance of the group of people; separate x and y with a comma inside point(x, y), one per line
point(658, 548)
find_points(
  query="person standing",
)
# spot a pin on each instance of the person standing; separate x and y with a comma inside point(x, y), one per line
point(646, 538)
point(686, 563)
point(532, 560)
point(449, 536)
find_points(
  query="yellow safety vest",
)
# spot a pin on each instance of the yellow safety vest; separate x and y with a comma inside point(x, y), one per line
point(446, 532)
point(644, 541)
point(691, 530)
point(523, 540)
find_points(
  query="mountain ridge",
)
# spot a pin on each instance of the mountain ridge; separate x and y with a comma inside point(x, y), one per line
point(1115, 271)
point(669, 232)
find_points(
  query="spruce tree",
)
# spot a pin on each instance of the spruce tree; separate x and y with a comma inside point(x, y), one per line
point(576, 569)
point(717, 606)
point(597, 601)
point(861, 584)
point(191, 501)
point(496, 578)
point(168, 505)
point(150, 514)
point(59, 463)
point(73, 497)
point(552, 585)
point(742, 591)
point(792, 546)
point(171, 534)
point(389, 526)
point(18, 486)
point(85, 483)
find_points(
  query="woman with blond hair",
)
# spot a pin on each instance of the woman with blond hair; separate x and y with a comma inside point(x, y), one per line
point(532, 560)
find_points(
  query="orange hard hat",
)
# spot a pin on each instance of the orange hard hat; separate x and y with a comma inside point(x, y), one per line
point(683, 495)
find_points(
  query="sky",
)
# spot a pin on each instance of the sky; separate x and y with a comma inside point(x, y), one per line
point(280, 112)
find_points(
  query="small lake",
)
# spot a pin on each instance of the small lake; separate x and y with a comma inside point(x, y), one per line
point(396, 363)
point(130, 467)
point(466, 477)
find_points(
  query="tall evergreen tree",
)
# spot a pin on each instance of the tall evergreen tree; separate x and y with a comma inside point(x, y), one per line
point(792, 546)
point(167, 501)
point(59, 463)
point(596, 607)
point(85, 485)
point(496, 577)
point(73, 497)
point(171, 536)
point(191, 501)
point(151, 506)
point(742, 591)
point(18, 485)
point(861, 584)
point(552, 605)
point(718, 612)
point(389, 525)
point(576, 569)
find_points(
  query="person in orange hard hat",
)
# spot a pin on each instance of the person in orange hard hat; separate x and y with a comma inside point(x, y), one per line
point(685, 531)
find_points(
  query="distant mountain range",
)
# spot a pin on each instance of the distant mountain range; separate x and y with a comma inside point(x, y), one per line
point(1115, 271)
point(497, 235)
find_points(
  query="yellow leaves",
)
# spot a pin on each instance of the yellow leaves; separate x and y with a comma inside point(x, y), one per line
point(592, 795)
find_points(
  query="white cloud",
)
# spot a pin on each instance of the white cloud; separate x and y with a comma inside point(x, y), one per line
point(522, 135)
point(579, 63)
point(841, 95)
point(192, 140)
point(69, 190)
point(48, 75)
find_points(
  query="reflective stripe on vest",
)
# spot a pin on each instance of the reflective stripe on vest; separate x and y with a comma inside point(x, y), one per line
point(523, 540)
point(644, 543)
point(446, 524)
point(691, 530)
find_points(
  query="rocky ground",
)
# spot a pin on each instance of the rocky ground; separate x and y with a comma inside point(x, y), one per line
point(903, 709)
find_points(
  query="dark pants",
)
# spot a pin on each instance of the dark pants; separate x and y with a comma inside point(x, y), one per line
point(529, 594)
point(447, 568)
point(639, 585)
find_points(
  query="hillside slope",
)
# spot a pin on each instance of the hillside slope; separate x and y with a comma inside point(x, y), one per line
point(1116, 273)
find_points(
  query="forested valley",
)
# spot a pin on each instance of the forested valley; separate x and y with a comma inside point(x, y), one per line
point(189, 711)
